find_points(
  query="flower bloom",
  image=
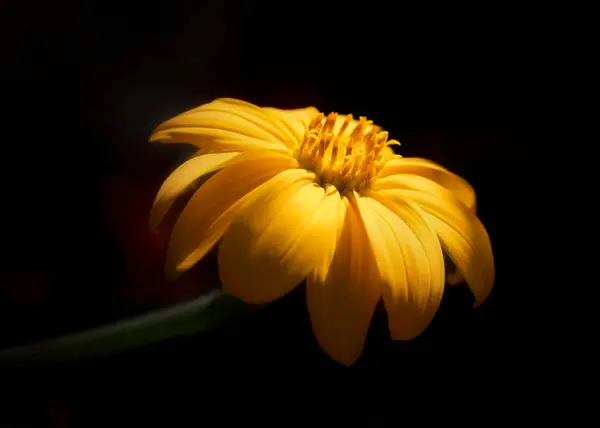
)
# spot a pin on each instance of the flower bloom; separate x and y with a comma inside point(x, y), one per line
point(300, 196)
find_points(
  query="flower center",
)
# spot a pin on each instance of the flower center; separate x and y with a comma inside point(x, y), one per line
point(344, 152)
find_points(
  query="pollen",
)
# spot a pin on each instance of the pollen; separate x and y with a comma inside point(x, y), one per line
point(344, 152)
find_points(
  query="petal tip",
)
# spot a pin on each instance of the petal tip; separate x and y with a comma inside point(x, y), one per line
point(172, 274)
point(340, 356)
point(478, 303)
point(454, 278)
point(346, 362)
point(158, 136)
point(174, 270)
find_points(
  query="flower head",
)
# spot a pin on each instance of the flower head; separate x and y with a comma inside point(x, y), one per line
point(300, 196)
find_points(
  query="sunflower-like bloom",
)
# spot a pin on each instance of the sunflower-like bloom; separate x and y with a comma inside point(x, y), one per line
point(300, 196)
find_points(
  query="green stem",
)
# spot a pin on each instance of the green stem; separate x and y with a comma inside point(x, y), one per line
point(183, 319)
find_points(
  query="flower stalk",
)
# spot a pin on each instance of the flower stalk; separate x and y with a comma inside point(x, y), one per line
point(183, 319)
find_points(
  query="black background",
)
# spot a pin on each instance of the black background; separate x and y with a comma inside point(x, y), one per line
point(84, 83)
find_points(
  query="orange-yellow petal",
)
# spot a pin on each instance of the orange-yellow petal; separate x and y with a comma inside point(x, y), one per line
point(278, 238)
point(431, 170)
point(181, 179)
point(461, 233)
point(341, 301)
point(466, 259)
point(410, 262)
point(226, 125)
point(212, 207)
point(296, 121)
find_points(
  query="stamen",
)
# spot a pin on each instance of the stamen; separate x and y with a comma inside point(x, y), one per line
point(344, 152)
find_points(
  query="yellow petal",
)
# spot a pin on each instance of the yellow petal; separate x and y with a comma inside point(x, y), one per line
point(341, 302)
point(278, 238)
point(431, 170)
point(464, 257)
point(462, 234)
point(331, 211)
point(296, 121)
point(211, 209)
point(225, 125)
point(181, 179)
point(410, 262)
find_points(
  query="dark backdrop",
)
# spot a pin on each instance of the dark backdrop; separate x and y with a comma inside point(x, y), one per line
point(84, 83)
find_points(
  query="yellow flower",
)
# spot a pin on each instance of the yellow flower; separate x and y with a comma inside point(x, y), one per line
point(303, 196)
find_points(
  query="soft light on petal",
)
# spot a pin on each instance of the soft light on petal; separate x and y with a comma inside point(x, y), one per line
point(410, 262)
point(342, 298)
point(278, 238)
point(212, 207)
point(181, 179)
point(464, 257)
point(331, 211)
point(226, 125)
point(463, 236)
point(431, 170)
point(297, 121)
